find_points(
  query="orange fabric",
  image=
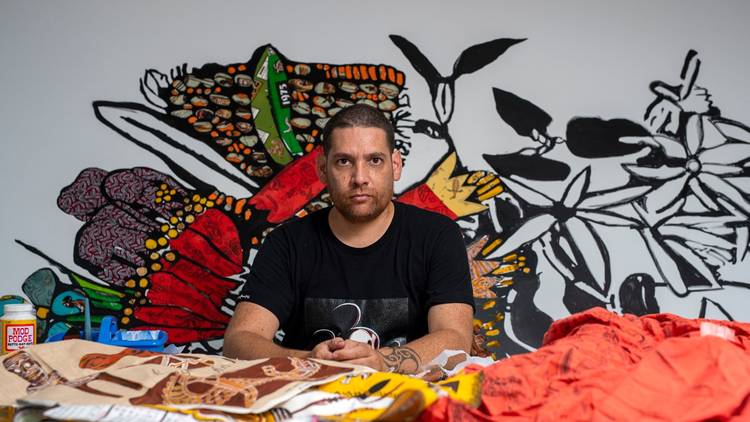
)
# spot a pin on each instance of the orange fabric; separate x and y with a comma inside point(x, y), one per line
point(597, 365)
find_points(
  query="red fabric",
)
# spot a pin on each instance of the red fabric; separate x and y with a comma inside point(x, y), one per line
point(423, 197)
point(600, 366)
point(291, 189)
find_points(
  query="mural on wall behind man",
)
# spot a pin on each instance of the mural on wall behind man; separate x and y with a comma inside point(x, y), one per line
point(169, 251)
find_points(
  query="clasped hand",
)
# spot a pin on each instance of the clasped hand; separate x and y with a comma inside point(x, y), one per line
point(349, 351)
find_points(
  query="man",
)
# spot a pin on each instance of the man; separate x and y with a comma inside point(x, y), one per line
point(368, 281)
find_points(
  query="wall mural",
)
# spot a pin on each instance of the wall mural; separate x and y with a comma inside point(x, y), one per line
point(169, 251)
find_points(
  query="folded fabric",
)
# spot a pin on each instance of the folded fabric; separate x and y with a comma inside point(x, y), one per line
point(601, 366)
point(81, 372)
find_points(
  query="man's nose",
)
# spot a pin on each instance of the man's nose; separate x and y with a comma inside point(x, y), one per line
point(360, 174)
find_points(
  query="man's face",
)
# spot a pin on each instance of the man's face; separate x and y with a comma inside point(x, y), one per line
point(359, 170)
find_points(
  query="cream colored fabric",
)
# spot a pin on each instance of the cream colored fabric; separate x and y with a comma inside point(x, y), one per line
point(80, 372)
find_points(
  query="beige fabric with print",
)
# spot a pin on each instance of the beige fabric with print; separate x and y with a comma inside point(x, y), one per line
point(81, 372)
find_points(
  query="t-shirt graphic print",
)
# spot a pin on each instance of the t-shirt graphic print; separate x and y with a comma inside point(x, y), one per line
point(377, 322)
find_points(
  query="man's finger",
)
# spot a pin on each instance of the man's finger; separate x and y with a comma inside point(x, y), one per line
point(336, 344)
point(353, 352)
point(321, 352)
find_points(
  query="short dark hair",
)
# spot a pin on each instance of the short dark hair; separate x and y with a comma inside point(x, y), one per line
point(359, 115)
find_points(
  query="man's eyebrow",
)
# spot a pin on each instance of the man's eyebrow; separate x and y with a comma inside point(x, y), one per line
point(376, 155)
point(337, 155)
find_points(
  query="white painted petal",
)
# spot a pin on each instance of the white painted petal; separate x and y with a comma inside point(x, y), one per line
point(669, 212)
point(527, 193)
point(608, 218)
point(592, 249)
point(666, 266)
point(722, 169)
point(665, 195)
point(733, 130)
point(694, 134)
point(702, 196)
point(725, 190)
point(654, 173)
point(695, 261)
point(704, 221)
point(711, 135)
point(731, 208)
point(639, 140)
point(741, 183)
point(548, 252)
point(741, 240)
point(671, 147)
point(695, 235)
point(725, 154)
point(576, 188)
point(614, 197)
point(529, 231)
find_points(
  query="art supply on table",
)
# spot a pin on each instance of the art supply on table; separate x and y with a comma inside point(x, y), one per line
point(108, 333)
point(86, 319)
point(18, 327)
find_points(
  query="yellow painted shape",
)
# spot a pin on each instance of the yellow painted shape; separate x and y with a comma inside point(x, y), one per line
point(462, 387)
point(451, 190)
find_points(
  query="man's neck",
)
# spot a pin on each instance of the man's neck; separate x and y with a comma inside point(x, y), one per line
point(360, 235)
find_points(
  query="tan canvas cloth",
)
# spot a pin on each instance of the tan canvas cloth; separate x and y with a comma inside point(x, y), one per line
point(81, 372)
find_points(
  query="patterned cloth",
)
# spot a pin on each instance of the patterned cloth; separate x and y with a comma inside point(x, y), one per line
point(64, 372)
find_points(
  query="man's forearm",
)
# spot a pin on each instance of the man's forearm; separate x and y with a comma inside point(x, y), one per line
point(247, 345)
point(408, 359)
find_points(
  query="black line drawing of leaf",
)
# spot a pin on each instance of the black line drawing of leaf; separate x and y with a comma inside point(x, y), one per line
point(638, 295)
point(533, 167)
point(442, 101)
point(150, 84)
point(713, 310)
point(122, 117)
point(480, 55)
point(592, 137)
point(522, 115)
point(590, 250)
point(421, 64)
point(431, 129)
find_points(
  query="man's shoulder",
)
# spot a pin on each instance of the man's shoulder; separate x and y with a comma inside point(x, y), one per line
point(420, 217)
point(307, 225)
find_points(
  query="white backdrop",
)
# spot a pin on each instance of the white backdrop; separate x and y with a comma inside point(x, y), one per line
point(581, 58)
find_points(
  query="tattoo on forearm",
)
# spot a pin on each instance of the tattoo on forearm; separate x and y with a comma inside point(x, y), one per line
point(401, 359)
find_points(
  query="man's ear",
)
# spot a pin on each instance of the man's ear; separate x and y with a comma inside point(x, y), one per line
point(320, 168)
point(398, 164)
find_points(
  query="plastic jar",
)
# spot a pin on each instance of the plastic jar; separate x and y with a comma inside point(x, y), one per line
point(18, 326)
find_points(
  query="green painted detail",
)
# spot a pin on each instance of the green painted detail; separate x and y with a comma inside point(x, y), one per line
point(92, 286)
point(115, 306)
point(264, 120)
point(280, 102)
point(78, 318)
point(94, 295)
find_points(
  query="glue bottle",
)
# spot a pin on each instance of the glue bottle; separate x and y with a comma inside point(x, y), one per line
point(18, 326)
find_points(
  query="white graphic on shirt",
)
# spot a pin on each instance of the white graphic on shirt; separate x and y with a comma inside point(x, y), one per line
point(350, 315)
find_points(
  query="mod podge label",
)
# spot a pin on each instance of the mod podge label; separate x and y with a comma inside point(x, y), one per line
point(18, 336)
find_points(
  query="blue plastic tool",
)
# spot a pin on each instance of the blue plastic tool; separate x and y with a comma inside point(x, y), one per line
point(152, 340)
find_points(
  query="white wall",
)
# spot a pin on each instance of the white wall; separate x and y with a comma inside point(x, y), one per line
point(582, 58)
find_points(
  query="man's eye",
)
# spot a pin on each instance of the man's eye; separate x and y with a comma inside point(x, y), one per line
point(342, 161)
point(376, 160)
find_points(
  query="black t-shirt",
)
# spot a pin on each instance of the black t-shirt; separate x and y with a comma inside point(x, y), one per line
point(318, 287)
